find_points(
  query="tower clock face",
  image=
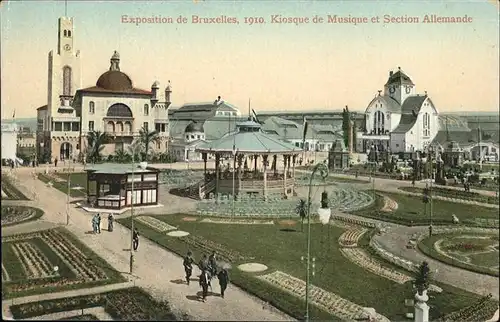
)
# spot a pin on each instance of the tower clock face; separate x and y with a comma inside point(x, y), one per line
point(392, 89)
point(67, 47)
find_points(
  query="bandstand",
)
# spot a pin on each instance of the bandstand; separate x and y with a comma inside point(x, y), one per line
point(116, 183)
point(249, 162)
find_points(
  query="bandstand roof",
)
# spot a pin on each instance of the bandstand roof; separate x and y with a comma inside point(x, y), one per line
point(114, 168)
point(249, 138)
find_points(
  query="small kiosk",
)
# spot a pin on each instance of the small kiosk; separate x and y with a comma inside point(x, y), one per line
point(116, 183)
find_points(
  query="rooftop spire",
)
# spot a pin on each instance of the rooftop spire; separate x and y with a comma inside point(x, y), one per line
point(115, 62)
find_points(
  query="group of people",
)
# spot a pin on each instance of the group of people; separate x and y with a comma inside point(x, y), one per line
point(209, 269)
point(96, 223)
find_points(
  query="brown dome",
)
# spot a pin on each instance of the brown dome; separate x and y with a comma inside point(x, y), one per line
point(114, 80)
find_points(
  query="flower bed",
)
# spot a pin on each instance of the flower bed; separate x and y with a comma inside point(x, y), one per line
point(455, 194)
point(390, 205)
point(13, 215)
point(354, 221)
point(361, 258)
point(84, 317)
point(156, 224)
point(463, 247)
point(36, 254)
point(8, 187)
point(208, 246)
point(350, 238)
point(131, 304)
point(482, 310)
point(237, 221)
point(330, 302)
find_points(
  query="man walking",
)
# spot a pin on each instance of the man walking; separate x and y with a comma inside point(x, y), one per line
point(94, 224)
point(204, 283)
point(188, 266)
point(223, 277)
point(135, 238)
point(212, 264)
point(98, 223)
point(110, 222)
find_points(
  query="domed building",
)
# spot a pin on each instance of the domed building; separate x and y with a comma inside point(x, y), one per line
point(185, 149)
point(114, 106)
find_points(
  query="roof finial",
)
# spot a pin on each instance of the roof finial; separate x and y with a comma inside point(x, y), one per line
point(379, 92)
point(115, 62)
point(425, 93)
point(399, 68)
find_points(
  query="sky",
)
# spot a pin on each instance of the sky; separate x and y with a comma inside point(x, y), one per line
point(280, 67)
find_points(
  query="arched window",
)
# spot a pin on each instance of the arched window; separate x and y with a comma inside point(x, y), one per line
point(67, 80)
point(91, 107)
point(69, 33)
point(146, 109)
point(119, 110)
point(426, 124)
point(65, 33)
point(379, 122)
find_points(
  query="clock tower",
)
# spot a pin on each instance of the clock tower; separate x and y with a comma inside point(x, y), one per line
point(64, 79)
point(399, 86)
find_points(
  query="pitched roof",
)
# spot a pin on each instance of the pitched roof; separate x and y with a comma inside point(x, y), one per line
point(42, 108)
point(399, 78)
point(391, 104)
point(453, 123)
point(96, 89)
point(410, 109)
point(249, 142)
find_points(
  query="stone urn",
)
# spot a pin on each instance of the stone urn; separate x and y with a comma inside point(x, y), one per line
point(143, 165)
point(421, 307)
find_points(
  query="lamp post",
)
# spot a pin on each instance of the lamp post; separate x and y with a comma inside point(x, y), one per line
point(68, 196)
point(132, 200)
point(431, 151)
point(234, 170)
point(324, 217)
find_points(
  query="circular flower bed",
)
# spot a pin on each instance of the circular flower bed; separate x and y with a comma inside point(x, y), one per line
point(13, 215)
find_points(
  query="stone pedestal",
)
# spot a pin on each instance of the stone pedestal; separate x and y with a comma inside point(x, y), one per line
point(421, 307)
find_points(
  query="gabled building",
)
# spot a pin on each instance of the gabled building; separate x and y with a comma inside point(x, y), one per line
point(399, 120)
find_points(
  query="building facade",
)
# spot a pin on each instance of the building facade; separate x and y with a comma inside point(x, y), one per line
point(9, 141)
point(399, 120)
point(113, 105)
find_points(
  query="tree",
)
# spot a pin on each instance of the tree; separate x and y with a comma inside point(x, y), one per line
point(95, 145)
point(121, 156)
point(346, 119)
point(302, 210)
point(422, 277)
point(147, 137)
point(134, 149)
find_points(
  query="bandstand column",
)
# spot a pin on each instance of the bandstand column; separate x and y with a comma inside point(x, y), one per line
point(264, 163)
point(204, 156)
point(255, 163)
point(88, 188)
point(294, 159)
point(217, 160)
point(240, 165)
point(284, 173)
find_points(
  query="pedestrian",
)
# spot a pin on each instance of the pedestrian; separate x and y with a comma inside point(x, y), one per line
point(98, 221)
point(135, 239)
point(212, 264)
point(55, 162)
point(204, 283)
point(203, 263)
point(110, 222)
point(223, 277)
point(188, 266)
point(94, 224)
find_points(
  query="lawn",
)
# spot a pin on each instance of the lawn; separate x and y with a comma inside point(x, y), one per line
point(281, 248)
point(14, 215)
point(130, 304)
point(458, 248)
point(411, 211)
point(456, 194)
point(11, 191)
point(77, 180)
point(29, 261)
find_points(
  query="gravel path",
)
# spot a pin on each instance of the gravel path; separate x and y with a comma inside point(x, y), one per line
point(155, 269)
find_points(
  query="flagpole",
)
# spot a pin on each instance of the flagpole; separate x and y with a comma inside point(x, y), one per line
point(480, 147)
point(249, 110)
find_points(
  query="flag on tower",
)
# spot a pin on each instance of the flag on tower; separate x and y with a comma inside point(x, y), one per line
point(254, 116)
point(305, 125)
